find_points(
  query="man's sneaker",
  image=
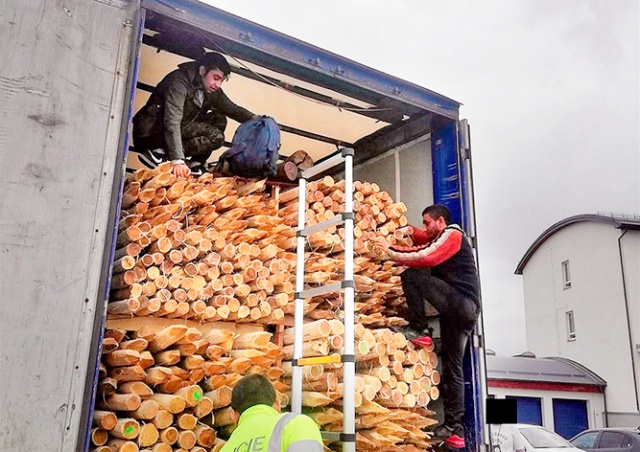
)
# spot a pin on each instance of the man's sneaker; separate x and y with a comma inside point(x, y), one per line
point(453, 438)
point(197, 168)
point(151, 158)
point(409, 332)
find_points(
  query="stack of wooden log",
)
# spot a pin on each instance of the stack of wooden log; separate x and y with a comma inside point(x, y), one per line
point(204, 249)
point(195, 251)
point(289, 170)
point(395, 381)
point(165, 389)
point(378, 288)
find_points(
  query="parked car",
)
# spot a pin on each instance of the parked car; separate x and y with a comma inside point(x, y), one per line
point(527, 437)
point(608, 440)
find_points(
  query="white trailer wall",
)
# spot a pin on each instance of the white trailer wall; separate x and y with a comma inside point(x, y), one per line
point(406, 173)
point(62, 92)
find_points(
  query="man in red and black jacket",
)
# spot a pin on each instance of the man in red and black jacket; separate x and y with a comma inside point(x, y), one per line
point(442, 271)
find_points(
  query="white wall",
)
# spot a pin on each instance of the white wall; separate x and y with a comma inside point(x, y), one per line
point(406, 173)
point(595, 403)
point(596, 298)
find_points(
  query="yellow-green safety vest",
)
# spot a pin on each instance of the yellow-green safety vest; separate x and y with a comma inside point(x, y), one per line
point(262, 429)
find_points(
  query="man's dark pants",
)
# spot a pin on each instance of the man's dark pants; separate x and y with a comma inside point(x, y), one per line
point(458, 317)
point(199, 138)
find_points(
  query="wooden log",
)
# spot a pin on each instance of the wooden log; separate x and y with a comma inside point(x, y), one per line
point(122, 445)
point(191, 394)
point(287, 171)
point(169, 435)
point(318, 347)
point(104, 420)
point(203, 408)
point(223, 417)
point(99, 437)
point(148, 436)
point(313, 372)
point(125, 307)
point(107, 386)
point(187, 421)
point(257, 339)
point(148, 410)
point(157, 375)
point(186, 439)
point(220, 397)
point(119, 402)
point(313, 330)
point(126, 428)
point(135, 387)
point(129, 373)
point(119, 358)
point(163, 419)
point(109, 344)
point(205, 435)
point(167, 357)
point(167, 337)
point(171, 403)
point(138, 345)
point(314, 399)
point(161, 447)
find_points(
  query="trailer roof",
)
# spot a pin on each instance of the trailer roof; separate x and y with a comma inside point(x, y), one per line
point(294, 56)
point(321, 101)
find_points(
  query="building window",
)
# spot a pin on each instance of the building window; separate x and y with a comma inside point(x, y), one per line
point(566, 275)
point(571, 326)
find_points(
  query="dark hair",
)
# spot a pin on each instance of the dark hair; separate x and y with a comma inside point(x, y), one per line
point(436, 211)
point(213, 60)
point(252, 390)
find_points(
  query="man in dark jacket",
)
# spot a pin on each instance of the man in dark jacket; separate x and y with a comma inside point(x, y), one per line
point(442, 272)
point(184, 119)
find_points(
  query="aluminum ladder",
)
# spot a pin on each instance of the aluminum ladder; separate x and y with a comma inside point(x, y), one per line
point(348, 435)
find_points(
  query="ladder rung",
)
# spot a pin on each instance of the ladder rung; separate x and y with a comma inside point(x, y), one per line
point(338, 219)
point(321, 290)
point(332, 436)
point(322, 166)
point(319, 360)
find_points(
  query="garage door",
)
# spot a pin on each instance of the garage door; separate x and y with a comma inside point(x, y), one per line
point(569, 417)
point(529, 410)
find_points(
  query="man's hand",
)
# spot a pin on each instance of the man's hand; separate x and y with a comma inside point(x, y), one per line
point(181, 170)
point(382, 243)
point(380, 248)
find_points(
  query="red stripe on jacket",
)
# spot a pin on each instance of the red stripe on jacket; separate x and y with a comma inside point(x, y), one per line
point(430, 255)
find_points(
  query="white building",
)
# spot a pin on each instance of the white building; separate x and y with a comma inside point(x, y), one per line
point(582, 302)
point(557, 393)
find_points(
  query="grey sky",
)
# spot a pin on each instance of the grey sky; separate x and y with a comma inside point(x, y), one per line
point(550, 88)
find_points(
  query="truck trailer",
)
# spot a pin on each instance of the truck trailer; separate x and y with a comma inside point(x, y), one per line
point(72, 75)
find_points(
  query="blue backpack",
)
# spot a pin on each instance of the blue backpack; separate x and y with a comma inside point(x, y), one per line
point(254, 150)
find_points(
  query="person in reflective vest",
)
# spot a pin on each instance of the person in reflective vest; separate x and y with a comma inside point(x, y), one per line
point(260, 425)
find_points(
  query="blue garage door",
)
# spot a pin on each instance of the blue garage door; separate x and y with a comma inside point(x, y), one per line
point(569, 417)
point(529, 410)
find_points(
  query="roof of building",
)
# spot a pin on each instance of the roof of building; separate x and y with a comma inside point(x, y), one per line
point(527, 367)
point(617, 220)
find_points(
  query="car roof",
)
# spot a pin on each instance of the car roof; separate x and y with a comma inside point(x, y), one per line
point(614, 429)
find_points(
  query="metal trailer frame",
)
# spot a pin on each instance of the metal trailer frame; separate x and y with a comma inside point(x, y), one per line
point(431, 112)
point(289, 55)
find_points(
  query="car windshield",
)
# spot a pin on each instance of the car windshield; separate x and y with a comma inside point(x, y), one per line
point(543, 439)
